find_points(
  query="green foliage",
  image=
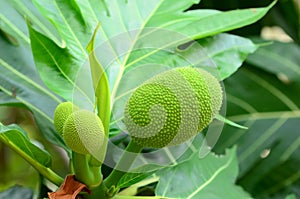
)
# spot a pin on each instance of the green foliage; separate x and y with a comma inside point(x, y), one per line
point(43, 49)
point(16, 138)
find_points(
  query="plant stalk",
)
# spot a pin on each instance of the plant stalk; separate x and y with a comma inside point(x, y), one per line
point(123, 165)
point(84, 172)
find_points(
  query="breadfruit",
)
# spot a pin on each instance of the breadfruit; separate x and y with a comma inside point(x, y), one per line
point(83, 132)
point(61, 113)
point(172, 107)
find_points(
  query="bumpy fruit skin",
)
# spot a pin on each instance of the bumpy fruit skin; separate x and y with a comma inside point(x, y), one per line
point(83, 132)
point(172, 107)
point(61, 114)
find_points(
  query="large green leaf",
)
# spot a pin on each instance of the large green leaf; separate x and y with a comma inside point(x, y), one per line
point(124, 26)
point(270, 109)
point(65, 61)
point(215, 178)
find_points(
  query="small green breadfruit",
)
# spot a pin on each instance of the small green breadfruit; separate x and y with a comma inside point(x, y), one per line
point(61, 114)
point(83, 132)
point(172, 107)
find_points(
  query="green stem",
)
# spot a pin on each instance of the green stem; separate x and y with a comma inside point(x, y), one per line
point(98, 192)
point(49, 174)
point(128, 157)
point(84, 172)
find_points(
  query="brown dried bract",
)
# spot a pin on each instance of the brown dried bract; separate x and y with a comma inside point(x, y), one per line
point(69, 189)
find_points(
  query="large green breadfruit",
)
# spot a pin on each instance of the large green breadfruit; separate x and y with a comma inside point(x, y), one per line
point(61, 114)
point(83, 132)
point(172, 107)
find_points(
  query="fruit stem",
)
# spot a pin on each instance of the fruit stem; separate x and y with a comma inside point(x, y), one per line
point(124, 164)
point(84, 172)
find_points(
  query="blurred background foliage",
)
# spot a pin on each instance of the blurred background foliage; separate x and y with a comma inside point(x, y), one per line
point(284, 14)
point(265, 96)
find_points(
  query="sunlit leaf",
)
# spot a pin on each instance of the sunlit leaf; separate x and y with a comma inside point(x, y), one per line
point(216, 178)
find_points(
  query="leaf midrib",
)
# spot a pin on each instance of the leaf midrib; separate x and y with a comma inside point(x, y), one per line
point(60, 70)
point(84, 53)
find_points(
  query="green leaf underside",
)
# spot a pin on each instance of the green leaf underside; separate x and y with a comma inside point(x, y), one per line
point(272, 139)
point(15, 138)
point(13, 24)
point(17, 192)
point(27, 9)
point(20, 83)
point(213, 171)
point(69, 23)
point(62, 63)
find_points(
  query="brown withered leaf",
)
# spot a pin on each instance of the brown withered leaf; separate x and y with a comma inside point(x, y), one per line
point(69, 189)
